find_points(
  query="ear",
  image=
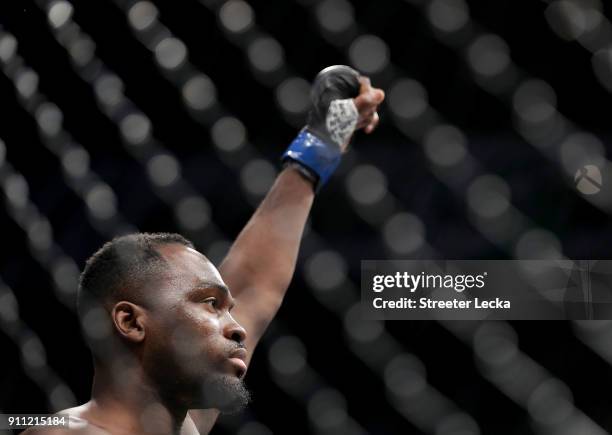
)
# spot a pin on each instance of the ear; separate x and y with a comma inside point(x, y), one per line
point(129, 320)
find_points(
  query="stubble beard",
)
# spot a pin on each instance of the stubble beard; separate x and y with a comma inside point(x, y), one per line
point(226, 393)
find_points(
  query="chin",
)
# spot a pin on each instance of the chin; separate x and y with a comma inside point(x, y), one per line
point(227, 393)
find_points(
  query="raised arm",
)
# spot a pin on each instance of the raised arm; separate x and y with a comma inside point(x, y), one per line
point(262, 260)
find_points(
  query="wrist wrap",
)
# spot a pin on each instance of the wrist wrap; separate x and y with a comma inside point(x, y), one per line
point(332, 120)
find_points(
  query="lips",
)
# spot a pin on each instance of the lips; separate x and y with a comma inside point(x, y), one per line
point(238, 359)
point(239, 353)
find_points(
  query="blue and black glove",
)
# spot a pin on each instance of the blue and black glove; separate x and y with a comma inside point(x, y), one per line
point(332, 120)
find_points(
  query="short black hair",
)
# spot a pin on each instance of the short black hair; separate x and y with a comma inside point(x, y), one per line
point(124, 264)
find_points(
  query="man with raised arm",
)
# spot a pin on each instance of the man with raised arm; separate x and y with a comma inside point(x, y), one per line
point(172, 336)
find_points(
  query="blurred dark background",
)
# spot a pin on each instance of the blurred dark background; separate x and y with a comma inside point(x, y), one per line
point(119, 115)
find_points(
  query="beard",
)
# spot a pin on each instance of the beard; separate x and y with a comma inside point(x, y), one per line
point(226, 393)
point(195, 388)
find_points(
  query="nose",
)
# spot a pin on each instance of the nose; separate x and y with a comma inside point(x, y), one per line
point(234, 331)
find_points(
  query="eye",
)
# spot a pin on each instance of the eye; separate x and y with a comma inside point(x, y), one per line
point(212, 302)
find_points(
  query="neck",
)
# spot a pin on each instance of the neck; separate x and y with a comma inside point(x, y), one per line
point(130, 404)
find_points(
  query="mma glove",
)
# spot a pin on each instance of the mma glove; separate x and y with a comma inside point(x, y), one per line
point(332, 119)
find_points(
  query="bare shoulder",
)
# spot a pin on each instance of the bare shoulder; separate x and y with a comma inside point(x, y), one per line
point(77, 425)
point(46, 431)
point(81, 429)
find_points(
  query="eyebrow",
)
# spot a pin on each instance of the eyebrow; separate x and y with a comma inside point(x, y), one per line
point(207, 284)
point(200, 285)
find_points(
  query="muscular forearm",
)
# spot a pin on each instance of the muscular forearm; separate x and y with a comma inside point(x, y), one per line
point(262, 260)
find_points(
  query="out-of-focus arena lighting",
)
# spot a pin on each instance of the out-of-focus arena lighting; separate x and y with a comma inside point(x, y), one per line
point(448, 16)
point(581, 149)
point(170, 53)
point(445, 145)
point(537, 119)
point(2, 153)
point(594, 327)
point(520, 378)
point(499, 360)
point(49, 118)
point(495, 344)
point(254, 428)
point(602, 65)
point(257, 176)
point(367, 185)
point(142, 15)
point(65, 275)
point(236, 16)
point(193, 212)
point(40, 234)
point(8, 48)
point(327, 410)
point(228, 134)
point(335, 16)
point(9, 311)
point(457, 423)
point(135, 128)
point(408, 99)
point(489, 55)
point(534, 101)
point(109, 90)
point(404, 233)
point(358, 329)
point(596, 334)
point(16, 190)
point(405, 377)
point(293, 96)
point(26, 82)
point(163, 169)
point(82, 50)
point(101, 201)
point(572, 19)
point(369, 54)
point(325, 270)
point(488, 196)
point(287, 356)
point(265, 54)
point(75, 162)
point(551, 403)
point(59, 13)
point(538, 244)
point(33, 353)
point(199, 92)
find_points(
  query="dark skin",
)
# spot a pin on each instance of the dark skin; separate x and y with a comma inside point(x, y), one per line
point(188, 319)
point(258, 270)
point(262, 260)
